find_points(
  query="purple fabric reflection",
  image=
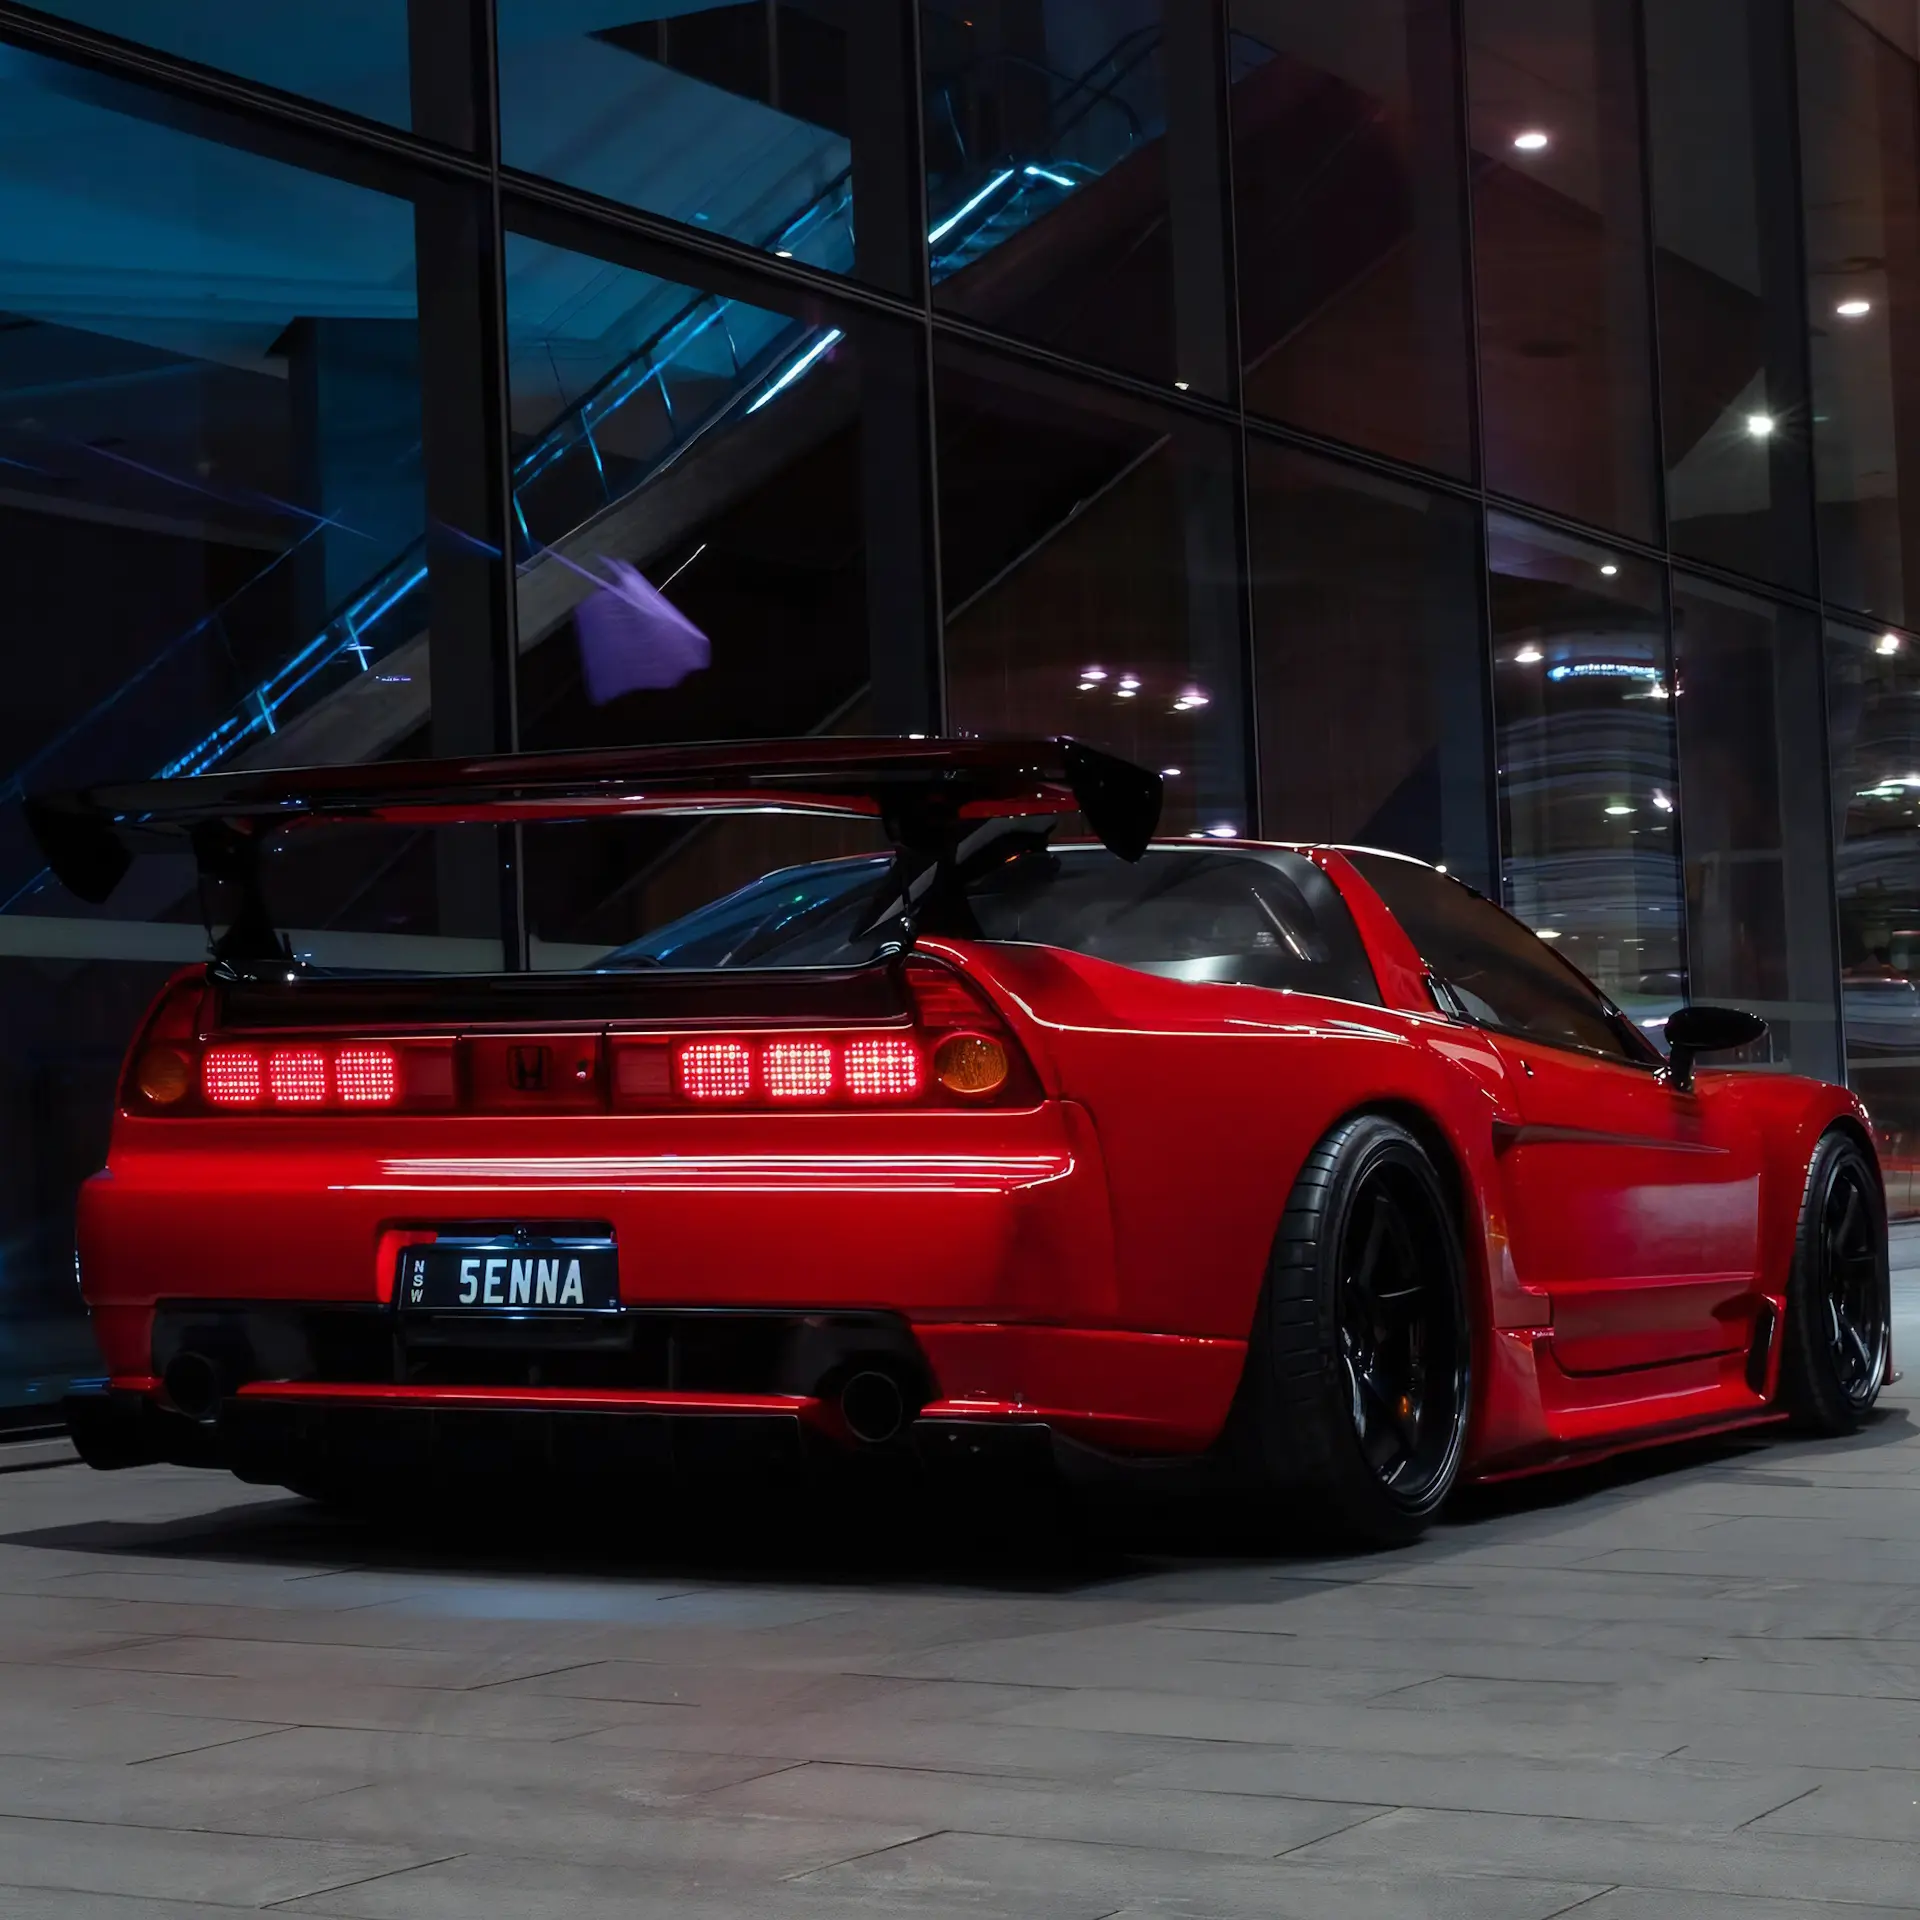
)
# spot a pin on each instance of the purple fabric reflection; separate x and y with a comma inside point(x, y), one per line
point(631, 635)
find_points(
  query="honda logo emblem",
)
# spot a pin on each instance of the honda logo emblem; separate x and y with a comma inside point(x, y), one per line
point(527, 1069)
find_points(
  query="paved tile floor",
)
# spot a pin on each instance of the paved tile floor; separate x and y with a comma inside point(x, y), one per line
point(1689, 1686)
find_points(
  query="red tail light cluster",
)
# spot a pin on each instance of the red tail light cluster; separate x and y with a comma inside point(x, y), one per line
point(174, 1071)
point(308, 1077)
point(788, 1071)
point(353, 1076)
point(957, 1052)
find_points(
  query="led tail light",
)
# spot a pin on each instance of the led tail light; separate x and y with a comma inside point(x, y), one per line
point(231, 1077)
point(297, 1077)
point(797, 1069)
point(716, 1070)
point(884, 1068)
point(366, 1076)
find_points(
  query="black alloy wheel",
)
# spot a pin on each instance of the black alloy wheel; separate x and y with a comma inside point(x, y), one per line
point(1839, 1306)
point(1361, 1366)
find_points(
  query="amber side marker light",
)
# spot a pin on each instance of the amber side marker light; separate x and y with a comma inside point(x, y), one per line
point(971, 1063)
point(164, 1076)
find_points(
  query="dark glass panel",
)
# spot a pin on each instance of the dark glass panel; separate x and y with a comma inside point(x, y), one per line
point(211, 432)
point(350, 53)
point(1737, 427)
point(1369, 662)
point(1759, 879)
point(715, 510)
point(777, 125)
point(1584, 715)
point(1349, 218)
point(1092, 577)
point(1499, 974)
point(1559, 236)
point(1075, 186)
point(1860, 161)
point(1873, 718)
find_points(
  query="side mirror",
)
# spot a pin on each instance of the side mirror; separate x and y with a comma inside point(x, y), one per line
point(1697, 1030)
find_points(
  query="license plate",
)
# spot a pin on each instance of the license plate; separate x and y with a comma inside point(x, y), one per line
point(522, 1273)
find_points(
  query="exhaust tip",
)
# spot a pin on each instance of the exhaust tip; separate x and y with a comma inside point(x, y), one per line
point(873, 1407)
point(193, 1385)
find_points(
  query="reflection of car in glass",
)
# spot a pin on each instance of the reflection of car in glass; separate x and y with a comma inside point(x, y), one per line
point(1307, 1164)
point(1881, 1006)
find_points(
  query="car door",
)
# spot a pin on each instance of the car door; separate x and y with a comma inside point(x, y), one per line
point(1632, 1205)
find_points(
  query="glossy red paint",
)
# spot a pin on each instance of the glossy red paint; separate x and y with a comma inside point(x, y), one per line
point(1089, 1257)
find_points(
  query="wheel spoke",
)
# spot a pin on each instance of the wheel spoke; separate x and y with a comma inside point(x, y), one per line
point(1860, 1347)
point(1369, 1256)
point(1849, 1215)
point(1399, 1342)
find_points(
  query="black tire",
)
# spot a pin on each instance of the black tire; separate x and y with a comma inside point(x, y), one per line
point(1839, 1333)
point(1359, 1392)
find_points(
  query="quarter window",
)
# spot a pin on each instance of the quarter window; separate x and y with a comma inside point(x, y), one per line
point(1502, 975)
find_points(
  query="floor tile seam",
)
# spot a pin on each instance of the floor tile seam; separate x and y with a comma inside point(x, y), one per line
point(254, 1680)
point(546, 1673)
point(920, 1770)
point(1793, 1800)
point(1214, 1856)
point(866, 1853)
point(1630, 1759)
point(137, 1902)
point(132, 1644)
point(1901, 1851)
point(268, 1836)
point(965, 1680)
point(364, 1880)
point(1692, 1831)
point(214, 1746)
point(199, 1830)
point(1585, 1900)
point(890, 1766)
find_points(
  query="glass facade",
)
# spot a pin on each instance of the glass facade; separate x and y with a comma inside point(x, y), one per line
point(1487, 429)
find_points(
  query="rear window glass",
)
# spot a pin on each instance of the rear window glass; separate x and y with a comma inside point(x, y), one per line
point(1268, 919)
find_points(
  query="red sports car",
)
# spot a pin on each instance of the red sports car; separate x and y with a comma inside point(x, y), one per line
point(1304, 1163)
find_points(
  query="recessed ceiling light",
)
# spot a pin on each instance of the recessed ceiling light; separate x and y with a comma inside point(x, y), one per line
point(1182, 385)
point(1531, 141)
point(1760, 425)
point(1609, 569)
point(1528, 656)
point(1855, 309)
point(1887, 643)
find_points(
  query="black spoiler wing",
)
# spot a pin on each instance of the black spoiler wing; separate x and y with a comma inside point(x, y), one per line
point(927, 794)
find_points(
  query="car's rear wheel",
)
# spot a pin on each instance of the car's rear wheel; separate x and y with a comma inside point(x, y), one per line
point(1838, 1334)
point(1360, 1368)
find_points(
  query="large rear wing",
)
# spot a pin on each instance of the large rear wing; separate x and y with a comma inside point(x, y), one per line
point(930, 796)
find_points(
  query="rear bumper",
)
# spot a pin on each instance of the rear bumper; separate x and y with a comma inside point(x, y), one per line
point(310, 1436)
point(268, 1382)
